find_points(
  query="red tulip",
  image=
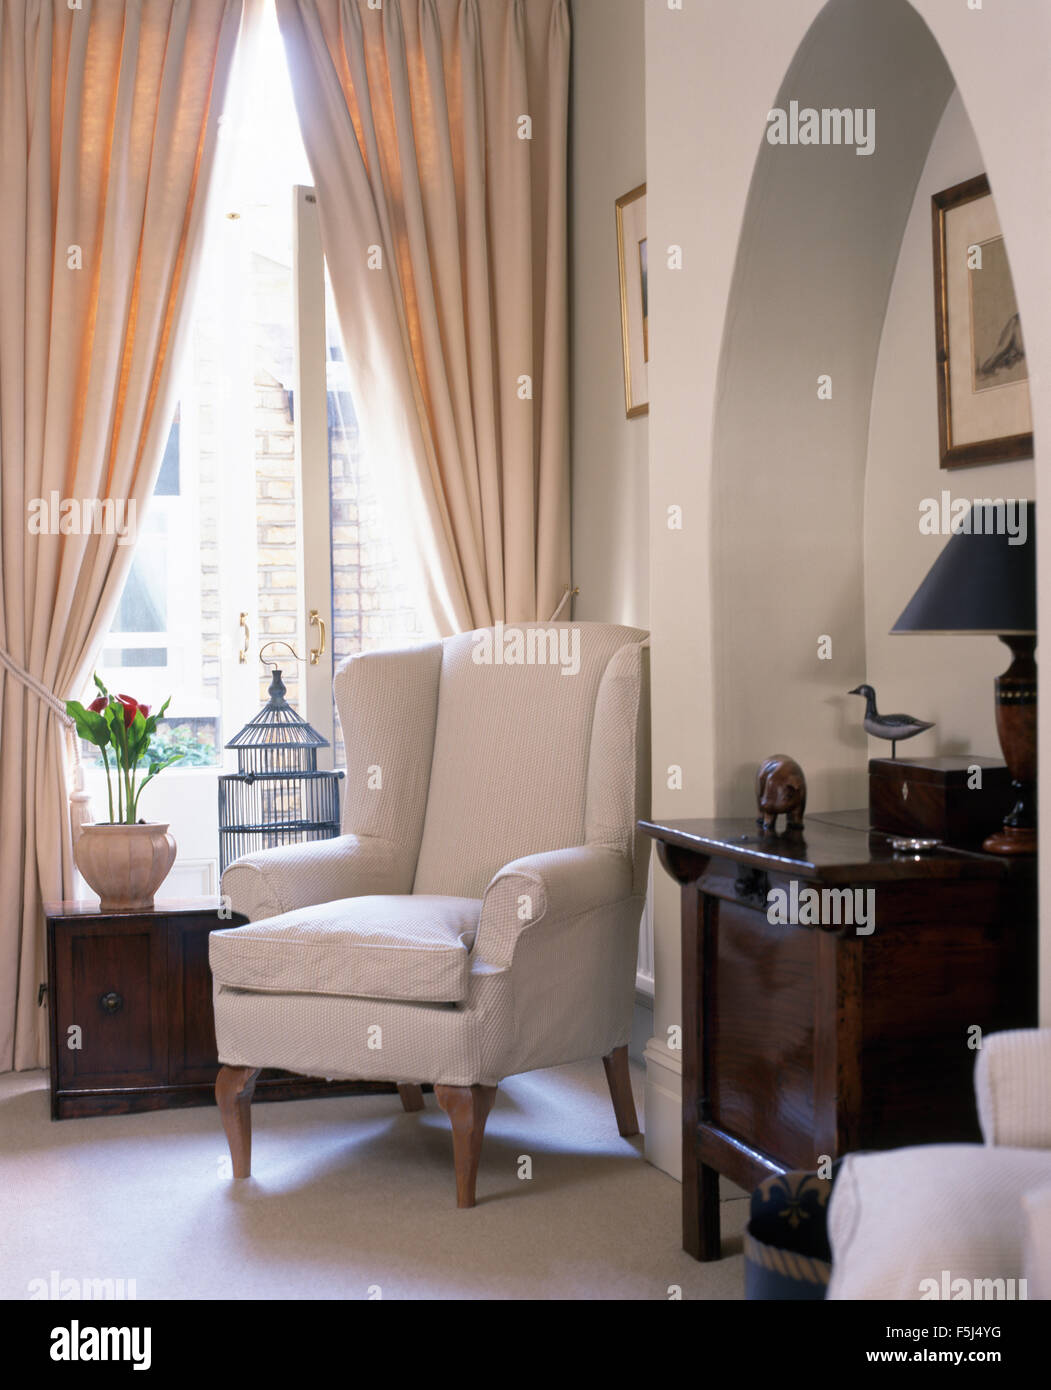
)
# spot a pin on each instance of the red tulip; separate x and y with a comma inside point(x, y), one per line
point(99, 705)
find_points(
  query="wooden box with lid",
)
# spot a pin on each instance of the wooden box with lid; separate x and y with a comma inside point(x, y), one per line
point(958, 800)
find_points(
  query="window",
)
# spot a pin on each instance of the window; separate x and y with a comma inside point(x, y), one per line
point(263, 510)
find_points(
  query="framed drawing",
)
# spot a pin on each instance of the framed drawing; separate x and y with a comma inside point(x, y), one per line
point(984, 413)
point(634, 298)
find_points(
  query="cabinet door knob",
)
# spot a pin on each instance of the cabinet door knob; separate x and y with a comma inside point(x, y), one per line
point(111, 1003)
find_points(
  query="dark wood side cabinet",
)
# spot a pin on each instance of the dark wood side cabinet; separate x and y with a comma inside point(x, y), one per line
point(807, 1040)
point(138, 987)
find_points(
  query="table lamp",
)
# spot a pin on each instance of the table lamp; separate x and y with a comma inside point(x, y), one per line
point(984, 583)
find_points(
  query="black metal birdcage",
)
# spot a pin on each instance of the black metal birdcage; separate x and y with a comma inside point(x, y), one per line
point(277, 796)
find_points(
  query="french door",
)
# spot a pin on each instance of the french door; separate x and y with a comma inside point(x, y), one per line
point(264, 537)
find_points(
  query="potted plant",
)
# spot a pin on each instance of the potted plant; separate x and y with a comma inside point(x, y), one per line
point(125, 859)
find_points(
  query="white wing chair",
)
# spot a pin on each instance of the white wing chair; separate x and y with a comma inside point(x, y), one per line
point(479, 914)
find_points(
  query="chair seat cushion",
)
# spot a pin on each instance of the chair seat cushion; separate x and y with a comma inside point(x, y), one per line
point(412, 946)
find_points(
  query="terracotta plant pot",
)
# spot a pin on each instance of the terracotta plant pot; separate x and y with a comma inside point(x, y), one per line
point(125, 864)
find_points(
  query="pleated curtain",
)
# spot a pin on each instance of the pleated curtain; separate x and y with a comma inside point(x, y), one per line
point(108, 119)
point(437, 135)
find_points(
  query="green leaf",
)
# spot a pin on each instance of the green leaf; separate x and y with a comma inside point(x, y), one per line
point(101, 687)
point(152, 721)
point(114, 717)
point(138, 738)
point(154, 769)
point(91, 726)
point(114, 713)
point(160, 765)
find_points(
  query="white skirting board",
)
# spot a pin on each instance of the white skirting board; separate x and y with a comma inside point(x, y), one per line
point(663, 1066)
point(664, 1107)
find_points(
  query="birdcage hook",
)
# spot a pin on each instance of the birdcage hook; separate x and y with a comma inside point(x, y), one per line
point(272, 661)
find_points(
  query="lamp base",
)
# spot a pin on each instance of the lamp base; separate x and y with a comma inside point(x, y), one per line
point(1011, 840)
point(1016, 726)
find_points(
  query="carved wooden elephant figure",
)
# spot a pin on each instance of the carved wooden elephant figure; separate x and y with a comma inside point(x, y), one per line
point(780, 787)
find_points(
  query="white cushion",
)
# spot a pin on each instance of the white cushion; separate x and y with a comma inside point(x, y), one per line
point(328, 1035)
point(388, 703)
point(513, 751)
point(397, 946)
point(941, 1213)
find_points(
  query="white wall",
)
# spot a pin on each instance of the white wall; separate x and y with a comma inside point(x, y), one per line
point(609, 451)
point(712, 73)
point(814, 270)
point(910, 673)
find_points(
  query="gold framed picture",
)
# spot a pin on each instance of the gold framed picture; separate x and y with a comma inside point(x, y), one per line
point(984, 411)
point(632, 254)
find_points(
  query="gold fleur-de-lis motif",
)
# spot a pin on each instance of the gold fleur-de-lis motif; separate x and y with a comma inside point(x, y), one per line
point(793, 1213)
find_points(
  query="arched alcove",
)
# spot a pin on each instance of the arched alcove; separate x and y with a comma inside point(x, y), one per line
point(733, 404)
point(816, 261)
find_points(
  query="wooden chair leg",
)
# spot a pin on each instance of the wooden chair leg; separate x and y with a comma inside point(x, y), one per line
point(411, 1098)
point(468, 1109)
point(233, 1094)
point(619, 1078)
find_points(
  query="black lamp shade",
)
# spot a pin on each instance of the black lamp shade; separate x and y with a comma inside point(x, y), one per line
point(981, 583)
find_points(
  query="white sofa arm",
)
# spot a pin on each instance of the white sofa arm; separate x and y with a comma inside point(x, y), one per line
point(555, 886)
point(1036, 1206)
point(1012, 1084)
point(279, 880)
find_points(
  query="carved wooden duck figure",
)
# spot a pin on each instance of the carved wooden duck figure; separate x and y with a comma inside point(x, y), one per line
point(891, 726)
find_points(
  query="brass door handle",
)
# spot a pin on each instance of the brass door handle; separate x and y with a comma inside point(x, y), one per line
point(316, 653)
point(242, 655)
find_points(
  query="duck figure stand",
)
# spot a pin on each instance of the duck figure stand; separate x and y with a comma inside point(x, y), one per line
point(895, 727)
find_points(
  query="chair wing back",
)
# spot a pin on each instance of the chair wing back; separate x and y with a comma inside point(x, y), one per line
point(537, 747)
point(618, 788)
point(388, 703)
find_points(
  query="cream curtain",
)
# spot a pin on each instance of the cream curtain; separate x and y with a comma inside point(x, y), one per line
point(437, 135)
point(108, 116)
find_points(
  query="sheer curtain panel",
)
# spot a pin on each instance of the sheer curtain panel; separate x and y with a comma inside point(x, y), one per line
point(437, 134)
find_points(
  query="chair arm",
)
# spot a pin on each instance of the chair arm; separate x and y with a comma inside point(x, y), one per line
point(1012, 1085)
point(279, 880)
point(553, 886)
point(1036, 1205)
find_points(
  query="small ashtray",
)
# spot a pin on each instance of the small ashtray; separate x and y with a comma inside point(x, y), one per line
point(906, 846)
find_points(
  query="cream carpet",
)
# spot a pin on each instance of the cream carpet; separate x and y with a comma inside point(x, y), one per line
point(350, 1196)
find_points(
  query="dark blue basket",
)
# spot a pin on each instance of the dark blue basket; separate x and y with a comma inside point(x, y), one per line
point(786, 1250)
